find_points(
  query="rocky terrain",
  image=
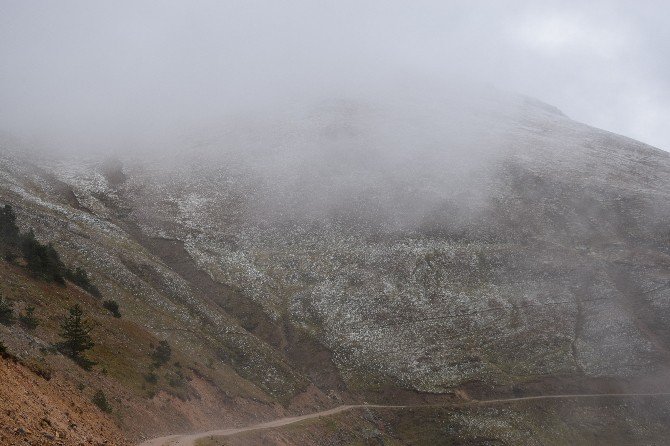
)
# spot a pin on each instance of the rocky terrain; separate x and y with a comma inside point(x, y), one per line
point(385, 252)
point(40, 412)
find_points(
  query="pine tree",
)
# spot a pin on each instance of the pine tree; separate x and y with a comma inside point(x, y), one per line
point(113, 307)
point(6, 312)
point(9, 232)
point(80, 277)
point(76, 332)
point(28, 319)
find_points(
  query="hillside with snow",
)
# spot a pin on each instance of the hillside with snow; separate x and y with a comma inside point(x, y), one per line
point(417, 248)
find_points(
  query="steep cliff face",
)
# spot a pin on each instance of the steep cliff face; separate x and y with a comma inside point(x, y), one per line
point(385, 251)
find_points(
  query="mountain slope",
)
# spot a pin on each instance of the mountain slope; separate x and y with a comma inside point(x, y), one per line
point(397, 251)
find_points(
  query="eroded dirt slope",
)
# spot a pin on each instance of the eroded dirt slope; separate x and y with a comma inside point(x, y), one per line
point(38, 412)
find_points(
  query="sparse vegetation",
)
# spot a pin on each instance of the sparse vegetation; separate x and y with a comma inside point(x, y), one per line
point(100, 400)
point(40, 369)
point(6, 311)
point(177, 379)
point(161, 354)
point(113, 307)
point(76, 332)
point(28, 319)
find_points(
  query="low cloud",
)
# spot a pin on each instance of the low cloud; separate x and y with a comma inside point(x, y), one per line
point(133, 75)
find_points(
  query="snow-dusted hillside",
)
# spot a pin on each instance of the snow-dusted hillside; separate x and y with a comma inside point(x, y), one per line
point(419, 243)
point(424, 252)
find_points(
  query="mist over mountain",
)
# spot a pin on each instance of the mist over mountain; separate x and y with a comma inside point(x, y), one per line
point(402, 248)
point(334, 223)
point(138, 75)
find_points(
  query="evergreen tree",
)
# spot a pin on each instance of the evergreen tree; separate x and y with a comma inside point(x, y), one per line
point(113, 307)
point(80, 278)
point(42, 260)
point(76, 332)
point(55, 268)
point(6, 312)
point(28, 319)
point(9, 232)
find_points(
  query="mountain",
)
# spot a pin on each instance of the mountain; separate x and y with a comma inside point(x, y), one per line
point(407, 250)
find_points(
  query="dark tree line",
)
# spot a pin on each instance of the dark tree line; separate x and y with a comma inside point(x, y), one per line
point(42, 260)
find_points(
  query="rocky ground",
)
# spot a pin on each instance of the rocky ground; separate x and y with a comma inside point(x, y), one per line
point(37, 411)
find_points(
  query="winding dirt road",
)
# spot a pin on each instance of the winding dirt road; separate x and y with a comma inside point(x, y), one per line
point(190, 439)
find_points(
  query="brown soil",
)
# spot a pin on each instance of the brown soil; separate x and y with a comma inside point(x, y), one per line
point(40, 412)
point(122, 349)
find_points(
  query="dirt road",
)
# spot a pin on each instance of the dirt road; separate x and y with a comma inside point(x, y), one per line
point(190, 439)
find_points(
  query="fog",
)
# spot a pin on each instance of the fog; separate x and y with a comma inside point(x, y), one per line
point(151, 76)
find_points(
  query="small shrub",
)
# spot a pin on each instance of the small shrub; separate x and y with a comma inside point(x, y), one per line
point(161, 354)
point(28, 318)
point(177, 380)
point(5, 353)
point(113, 307)
point(39, 369)
point(151, 378)
point(6, 312)
point(100, 400)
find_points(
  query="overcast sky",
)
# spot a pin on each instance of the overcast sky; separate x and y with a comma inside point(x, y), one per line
point(105, 73)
